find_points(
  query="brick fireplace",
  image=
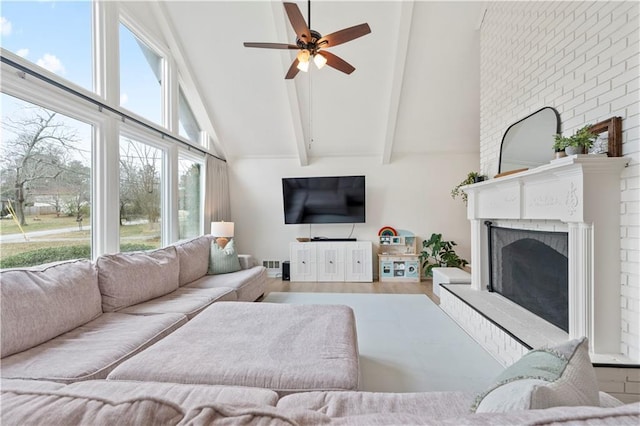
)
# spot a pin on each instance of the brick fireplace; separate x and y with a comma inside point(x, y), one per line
point(577, 195)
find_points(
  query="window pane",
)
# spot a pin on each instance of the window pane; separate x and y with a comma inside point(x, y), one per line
point(140, 77)
point(188, 125)
point(189, 201)
point(45, 182)
point(54, 35)
point(140, 195)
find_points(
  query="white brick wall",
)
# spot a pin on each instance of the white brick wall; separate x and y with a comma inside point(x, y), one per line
point(582, 58)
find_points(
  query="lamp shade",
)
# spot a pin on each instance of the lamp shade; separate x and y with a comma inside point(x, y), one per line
point(222, 229)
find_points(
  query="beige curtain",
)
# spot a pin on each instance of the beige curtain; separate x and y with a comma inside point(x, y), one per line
point(216, 199)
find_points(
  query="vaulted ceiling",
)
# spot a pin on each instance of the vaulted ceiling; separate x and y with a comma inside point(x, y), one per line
point(415, 88)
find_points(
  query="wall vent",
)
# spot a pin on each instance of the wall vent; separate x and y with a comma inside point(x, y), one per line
point(273, 267)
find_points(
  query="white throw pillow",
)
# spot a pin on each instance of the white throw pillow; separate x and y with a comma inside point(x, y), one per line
point(559, 376)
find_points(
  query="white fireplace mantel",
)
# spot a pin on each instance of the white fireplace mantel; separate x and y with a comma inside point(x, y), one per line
point(582, 191)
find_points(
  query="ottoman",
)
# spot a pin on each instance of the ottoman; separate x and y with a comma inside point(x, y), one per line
point(286, 348)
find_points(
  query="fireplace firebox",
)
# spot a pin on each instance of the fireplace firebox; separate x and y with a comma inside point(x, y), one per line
point(531, 268)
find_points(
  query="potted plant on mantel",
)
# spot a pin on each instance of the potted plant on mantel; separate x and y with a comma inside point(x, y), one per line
point(472, 177)
point(579, 143)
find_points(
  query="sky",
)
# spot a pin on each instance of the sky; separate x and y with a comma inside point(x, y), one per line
point(57, 36)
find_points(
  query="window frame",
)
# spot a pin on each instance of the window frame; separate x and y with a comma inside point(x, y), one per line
point(187, 154)
point(101, 109)
point(37, 92)
point(166, 85)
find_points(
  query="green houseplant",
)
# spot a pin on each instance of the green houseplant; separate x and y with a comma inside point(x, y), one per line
point(560, 142)
point(579, 143)
point(472, 177)
point(437, 252)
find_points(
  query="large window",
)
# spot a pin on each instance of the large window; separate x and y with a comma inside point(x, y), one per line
point(55, 35)
point(189, 197)
point(45, 182)
point(188, 126)
point(140, 195)
point(81, 176)
point(140, 77)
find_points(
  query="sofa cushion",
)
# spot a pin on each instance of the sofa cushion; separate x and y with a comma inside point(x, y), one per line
point(35, 302)
point(435, 405)
point(286, 348)
point(194, 258)
point(33, 408)
point(129, 278)
point(223, 260)
point(250, 284)
point(189, 302)
point(92, 350)
point(187, 396)
point(559, 376)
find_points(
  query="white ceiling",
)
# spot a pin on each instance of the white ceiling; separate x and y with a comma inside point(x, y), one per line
point(415, 88)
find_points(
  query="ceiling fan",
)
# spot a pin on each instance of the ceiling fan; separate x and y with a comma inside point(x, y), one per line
point(311, 44)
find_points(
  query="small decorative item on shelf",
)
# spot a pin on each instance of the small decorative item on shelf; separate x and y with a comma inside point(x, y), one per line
point(387, 231)
point(303, 239)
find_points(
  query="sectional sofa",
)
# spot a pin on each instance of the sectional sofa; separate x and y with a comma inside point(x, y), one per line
point(66, 327)
point(77, 320)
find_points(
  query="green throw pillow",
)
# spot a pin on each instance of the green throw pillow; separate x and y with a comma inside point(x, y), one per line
point(223, 260)
point(543, 378)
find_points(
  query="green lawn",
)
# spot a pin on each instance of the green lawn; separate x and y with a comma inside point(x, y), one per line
point(38, 223)
point(65, 244)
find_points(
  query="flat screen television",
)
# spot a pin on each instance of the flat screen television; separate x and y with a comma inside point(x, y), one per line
point(328, 199)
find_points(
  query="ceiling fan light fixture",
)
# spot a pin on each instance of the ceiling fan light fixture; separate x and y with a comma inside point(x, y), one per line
point(304, 55)
point(303, 60)
point(319, 60)
point(303, 66)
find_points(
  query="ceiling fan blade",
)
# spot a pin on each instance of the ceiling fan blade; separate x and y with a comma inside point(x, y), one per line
point(344, 35)
point(337, 62)
point(271, 45)
point(297, 21)
point(293, 70)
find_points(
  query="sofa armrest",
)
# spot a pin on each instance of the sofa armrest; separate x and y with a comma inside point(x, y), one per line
point(246, 261)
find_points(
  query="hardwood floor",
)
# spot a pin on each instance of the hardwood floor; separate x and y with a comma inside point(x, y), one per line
point(425, 287)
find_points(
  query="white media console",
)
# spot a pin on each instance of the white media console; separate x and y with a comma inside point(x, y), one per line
point(349, 261)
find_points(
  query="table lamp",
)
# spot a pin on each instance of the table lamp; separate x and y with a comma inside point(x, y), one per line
point(223, 231)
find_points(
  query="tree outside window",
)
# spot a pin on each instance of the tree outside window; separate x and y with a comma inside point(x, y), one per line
point(45, 185)
point(140, 195)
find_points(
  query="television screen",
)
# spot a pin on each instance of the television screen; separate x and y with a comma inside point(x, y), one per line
point(331, 199)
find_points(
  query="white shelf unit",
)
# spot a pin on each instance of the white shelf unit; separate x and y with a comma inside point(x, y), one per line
point(344, 261)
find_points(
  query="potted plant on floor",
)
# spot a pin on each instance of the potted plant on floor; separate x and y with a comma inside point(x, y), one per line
point(437, 252)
